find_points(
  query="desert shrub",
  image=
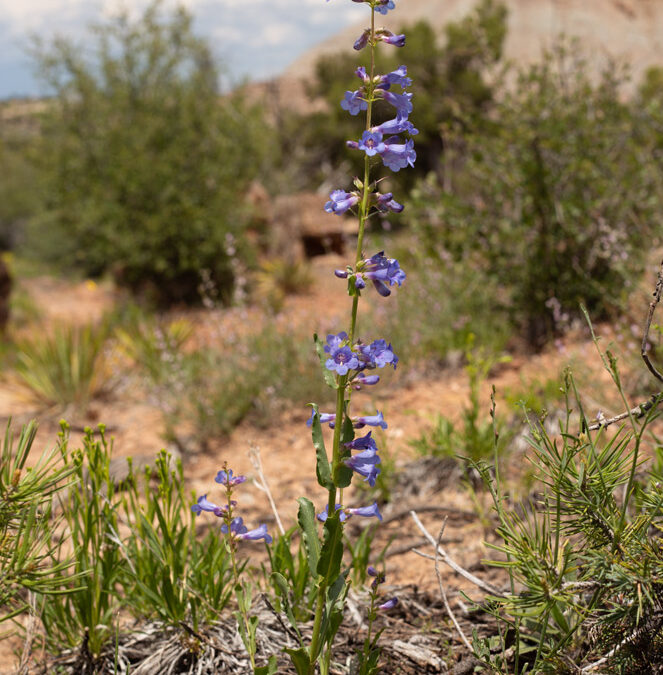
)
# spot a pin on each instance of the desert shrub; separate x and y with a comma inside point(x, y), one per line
point(142, 176)
point(65, 368)
point(556, 200)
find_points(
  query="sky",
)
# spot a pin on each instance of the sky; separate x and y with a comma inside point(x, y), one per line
point(254, 39)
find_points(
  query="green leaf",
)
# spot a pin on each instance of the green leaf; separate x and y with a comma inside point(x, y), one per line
point(306, 520)
point(343, 475)
point(322, 469)
point(326, 373)
point(300, 660)
point(331, 554)
point(269, 669)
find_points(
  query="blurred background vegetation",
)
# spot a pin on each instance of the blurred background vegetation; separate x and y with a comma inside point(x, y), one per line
point(535, 189)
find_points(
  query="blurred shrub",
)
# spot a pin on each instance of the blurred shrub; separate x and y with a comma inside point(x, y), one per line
point(141, 159)
point(65, 368)
point(280, 277)
point(556, 201)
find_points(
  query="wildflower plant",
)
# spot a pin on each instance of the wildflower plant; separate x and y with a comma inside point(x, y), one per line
point(348, 360)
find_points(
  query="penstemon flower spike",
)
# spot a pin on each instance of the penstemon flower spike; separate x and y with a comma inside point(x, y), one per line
point(345, 358)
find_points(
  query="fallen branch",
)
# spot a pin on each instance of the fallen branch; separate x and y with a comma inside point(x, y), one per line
point(452, 563)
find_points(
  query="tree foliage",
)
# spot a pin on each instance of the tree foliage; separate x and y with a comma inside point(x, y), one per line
point(143, 168)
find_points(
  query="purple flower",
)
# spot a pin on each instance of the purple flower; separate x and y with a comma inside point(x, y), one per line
point(382, 271)
point(254, 535)
point(371, 511)
point(362, 443)
point(376, 420)
point(386, 203)
point(359, 281)
point(353, 102)
point(365, 464)
point(398, 125)
point(343, 360)
point(226, 478)
point(397, 155)
point(340, 201)
point(203, 504)
point(371, 143)
point(388, 37)
point(325, 418)
point(379, 577)
point(378, 354)
point(341, 274)
point(366, 380)
point(322, 516)
point(362, 40)
point(402, 102)
point(237, 527)
point(361, 74)
point(398, 76)
point(239, 531)
point(390, 604)
point(335, 342)
point(383, 6)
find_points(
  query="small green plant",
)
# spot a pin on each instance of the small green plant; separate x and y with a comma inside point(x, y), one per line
point(27, 523)
point(281, 277)
point(66, 368)
point(474, 438)
point(84, 617)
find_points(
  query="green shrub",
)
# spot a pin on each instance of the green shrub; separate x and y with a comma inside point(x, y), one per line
point(555, 200)
point(142, 173)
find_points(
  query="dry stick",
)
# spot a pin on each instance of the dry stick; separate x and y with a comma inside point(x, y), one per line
point(424, 508)
point(254, 456)
point(442, 591)
point(452, 563)
point(656, 620)
point(640, 410)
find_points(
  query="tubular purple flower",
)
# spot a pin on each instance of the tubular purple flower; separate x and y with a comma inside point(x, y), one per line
point(353, 102)
point(323, 515)
point(353, 145)
point(359, 281)
point(398, 76)
point(378, 354)
point(365, 466)
point(397, 155)
point(340, 201)
point(325, 418)
point(371, 511)
point(361, 74)
point(402, 102)
point(388, 37)
point(390, 604)
point(383, 6)
point(382, 271)
point(371, 143)
point(237, 527)
point(376, 420)
point(366, 380)
point(386, 203)
point(362, 40)
point(254, 535)
point(227, 478)
point(203, 504)
point(335, 342)
point(362, 443)
point(398, 125)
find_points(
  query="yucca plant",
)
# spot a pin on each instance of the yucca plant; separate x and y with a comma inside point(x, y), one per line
point(65, 369)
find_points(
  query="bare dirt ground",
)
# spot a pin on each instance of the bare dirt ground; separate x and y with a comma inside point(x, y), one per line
point(410, 406)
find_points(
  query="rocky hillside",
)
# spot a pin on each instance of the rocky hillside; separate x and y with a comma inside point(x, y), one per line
point(627, 30)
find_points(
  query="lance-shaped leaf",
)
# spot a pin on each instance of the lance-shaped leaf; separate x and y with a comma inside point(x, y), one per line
point(331, 553)
point(300, 660)
point(322, 469)
point(306, 520)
